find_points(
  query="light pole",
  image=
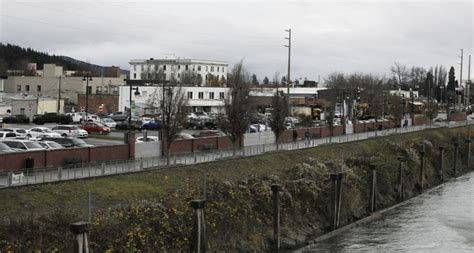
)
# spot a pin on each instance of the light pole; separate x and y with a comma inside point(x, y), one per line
point(288, 79)
point(137, 93)
point(59, 95)
point(87, 78)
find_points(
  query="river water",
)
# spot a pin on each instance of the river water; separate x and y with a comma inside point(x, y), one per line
point(439, 221)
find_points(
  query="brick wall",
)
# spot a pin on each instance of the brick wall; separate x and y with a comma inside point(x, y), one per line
point(457, 116)
point(56, 158)
point(421, 121)
point(111, 102)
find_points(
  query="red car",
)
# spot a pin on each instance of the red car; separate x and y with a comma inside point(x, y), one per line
point(94, 127)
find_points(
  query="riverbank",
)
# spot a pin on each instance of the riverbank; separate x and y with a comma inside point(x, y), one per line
point(150, 210)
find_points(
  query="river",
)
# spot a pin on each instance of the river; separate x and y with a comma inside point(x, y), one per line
point(441, 220)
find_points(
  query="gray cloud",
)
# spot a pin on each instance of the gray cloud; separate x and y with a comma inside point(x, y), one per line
point(346, 36)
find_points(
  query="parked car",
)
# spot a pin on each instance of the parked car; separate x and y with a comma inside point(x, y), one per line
point(4, 148)
point(77, 117)
point(119, 116)
point(67, 142)
point(70, 131)
point(52, 117)
point(152, 125)
point(50, 145)
point(136, 125)
point(95, 127)
point(148, 138)
point(184, 136)
point(145, 120)
point(208, 133)
point(20, 132)
point(18, 119)
point(7, 135)
point(23, 144)
point(37, 131)
point(108, 122)
point(194, 123)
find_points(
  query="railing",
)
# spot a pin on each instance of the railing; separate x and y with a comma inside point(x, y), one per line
point(86, 170)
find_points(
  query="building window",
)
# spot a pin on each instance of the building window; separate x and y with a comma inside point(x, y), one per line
point(190, 95)
point(201, 95)
point(135, 67)
point(115, 90)
point(221, 95)
point(179, 67)
point(22, 111)
point(211, 95)
point(199, 67)
point(134, 75)
point(186, 67)
point(38, 88)
point(98, 89)
point(222, 69)
point(106, 89)
point(164, 67)
point(27, 88)
point(18, 88)
point(217, 69)
point(89, 90)
point(179, 75)
point(212, 68)
point(207, 67)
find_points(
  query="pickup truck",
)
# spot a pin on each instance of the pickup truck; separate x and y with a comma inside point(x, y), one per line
point(52, 118)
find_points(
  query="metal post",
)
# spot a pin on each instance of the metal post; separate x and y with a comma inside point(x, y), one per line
point(441, 158)
point(372, 187)
point(141, 163)
point(81, 234)
point(276, 216)
point(198, 241)
point(102, 167)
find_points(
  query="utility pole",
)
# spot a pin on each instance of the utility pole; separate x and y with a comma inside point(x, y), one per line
point(59, 95)
point(460, 76)
point(468, 83)
point(288, 80)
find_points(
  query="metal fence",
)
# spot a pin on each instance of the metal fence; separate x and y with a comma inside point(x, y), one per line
point(78, 171)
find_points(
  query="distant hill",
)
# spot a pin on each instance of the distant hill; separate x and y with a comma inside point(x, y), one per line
point(16, 57)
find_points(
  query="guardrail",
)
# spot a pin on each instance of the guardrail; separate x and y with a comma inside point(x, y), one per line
point(98, 169)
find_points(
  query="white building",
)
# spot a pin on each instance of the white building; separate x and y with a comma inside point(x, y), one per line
point(208, 99)
point(404, 93)
point(175, 66)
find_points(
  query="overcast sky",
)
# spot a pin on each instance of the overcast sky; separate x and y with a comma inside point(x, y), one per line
point(327, 36)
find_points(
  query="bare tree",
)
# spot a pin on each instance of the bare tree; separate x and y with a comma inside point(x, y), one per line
point(237, 105)
point(173, 113)
point(279, 113)
point(401, 75)
point(191, 77)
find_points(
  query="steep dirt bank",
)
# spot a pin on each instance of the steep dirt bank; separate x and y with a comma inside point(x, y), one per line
point(150, 211)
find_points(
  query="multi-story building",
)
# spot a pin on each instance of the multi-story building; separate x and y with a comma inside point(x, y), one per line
point(149, 98)
point(171, 66)
point(48, 85)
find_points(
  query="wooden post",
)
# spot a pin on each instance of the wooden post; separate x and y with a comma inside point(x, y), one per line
point(334, 202)
point(198, 240)
point(339, 198)
point(456, 147)
point(276, 216)
point(441, 158)
point(81, 240)
point(422, 169)
point(400, 179)
point(373, 187)
point(468, 155)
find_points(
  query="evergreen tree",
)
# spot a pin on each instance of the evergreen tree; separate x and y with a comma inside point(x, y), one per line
point(254, 80)
point(451, 80)
point(266, 81)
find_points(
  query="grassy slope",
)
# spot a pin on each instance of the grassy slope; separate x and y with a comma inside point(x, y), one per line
point(114, 190)
point(241, 203)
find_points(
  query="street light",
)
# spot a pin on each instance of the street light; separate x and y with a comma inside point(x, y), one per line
point(137, 93)
point(87, 78)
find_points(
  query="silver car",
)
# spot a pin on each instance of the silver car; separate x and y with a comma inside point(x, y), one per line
point(23, 145)
point(70, 131)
